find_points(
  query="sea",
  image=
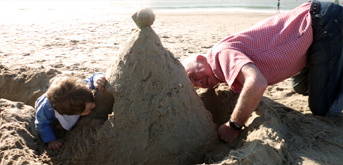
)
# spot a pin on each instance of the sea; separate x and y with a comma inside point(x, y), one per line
point(21, 11)
point(225, 5)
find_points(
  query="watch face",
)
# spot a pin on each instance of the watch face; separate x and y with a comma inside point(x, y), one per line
point(235, 126)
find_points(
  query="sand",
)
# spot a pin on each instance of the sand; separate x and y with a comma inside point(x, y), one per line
point(281, 131)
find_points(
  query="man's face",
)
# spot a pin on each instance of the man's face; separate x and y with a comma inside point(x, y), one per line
point(201, 74)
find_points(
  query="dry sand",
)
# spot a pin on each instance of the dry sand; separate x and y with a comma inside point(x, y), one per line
point(281, 131)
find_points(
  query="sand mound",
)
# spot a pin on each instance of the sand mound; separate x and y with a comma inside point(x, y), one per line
point(18, 138)
point(24, 84)
point(276, 134)
point(157, 117)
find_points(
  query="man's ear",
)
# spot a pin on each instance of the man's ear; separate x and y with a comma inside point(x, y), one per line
point(200, 58)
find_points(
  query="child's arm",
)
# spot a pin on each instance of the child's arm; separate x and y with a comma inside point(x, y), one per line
point(96, 81)
point(44, 129)
point(44, 117)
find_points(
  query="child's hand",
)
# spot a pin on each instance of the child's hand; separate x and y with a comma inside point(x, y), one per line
point(55, 144)
point(99, 83)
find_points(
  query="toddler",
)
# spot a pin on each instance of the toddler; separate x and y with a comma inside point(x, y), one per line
point(65, 101)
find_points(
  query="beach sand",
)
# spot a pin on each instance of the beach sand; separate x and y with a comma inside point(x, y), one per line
point(281, 131)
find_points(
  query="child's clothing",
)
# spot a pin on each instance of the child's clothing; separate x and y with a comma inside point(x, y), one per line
point(46, 114)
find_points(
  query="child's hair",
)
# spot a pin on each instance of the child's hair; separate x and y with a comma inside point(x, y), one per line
point(68, 96)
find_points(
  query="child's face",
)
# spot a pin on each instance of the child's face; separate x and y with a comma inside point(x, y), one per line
point(89, 107)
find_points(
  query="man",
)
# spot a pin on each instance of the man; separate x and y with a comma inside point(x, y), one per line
point(278, 6)
point(306, 39)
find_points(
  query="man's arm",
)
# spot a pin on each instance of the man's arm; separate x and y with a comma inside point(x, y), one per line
point(254, 85)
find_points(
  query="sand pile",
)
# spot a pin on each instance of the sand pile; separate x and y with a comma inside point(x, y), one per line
point(157, 117)
point(276, 134)
point(25, 83)
point(17, 136)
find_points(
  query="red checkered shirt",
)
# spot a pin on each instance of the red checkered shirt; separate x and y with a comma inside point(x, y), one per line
point(277, 46)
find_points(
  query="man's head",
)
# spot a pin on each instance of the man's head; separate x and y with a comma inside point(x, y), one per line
point(199, 71)
point(70, 96)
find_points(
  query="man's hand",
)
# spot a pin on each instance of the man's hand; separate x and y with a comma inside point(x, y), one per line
point(55, 144)
point(227, 134)
point(99, 83)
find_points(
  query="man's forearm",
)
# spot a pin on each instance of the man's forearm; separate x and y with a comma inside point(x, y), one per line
point(248, 101)
point(254, 85)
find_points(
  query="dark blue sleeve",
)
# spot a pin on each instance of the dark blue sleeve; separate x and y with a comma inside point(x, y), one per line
point(44, 116)
point(90, 81)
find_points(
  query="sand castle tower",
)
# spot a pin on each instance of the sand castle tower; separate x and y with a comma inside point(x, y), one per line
point(156, 117)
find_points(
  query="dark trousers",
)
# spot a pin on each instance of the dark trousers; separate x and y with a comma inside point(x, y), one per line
point(323, 76)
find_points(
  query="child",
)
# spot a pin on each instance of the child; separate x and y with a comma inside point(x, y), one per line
point(65, 101)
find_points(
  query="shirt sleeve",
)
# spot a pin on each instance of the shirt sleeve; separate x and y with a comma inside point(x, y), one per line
point(90, 81)
point(231, 62)
point(44, 117)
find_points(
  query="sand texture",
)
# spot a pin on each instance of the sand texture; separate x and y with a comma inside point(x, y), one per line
point(150, 113)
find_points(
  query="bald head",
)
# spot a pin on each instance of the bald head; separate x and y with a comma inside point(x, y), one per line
point(189, 62)
point(199, 71)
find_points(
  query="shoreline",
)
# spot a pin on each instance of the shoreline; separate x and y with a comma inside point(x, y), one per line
point(220, 10)
point(177, 13)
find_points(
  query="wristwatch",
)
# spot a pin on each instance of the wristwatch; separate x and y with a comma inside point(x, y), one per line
point(235, 126)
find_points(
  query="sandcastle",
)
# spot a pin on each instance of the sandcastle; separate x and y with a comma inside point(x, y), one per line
point(156, 117)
